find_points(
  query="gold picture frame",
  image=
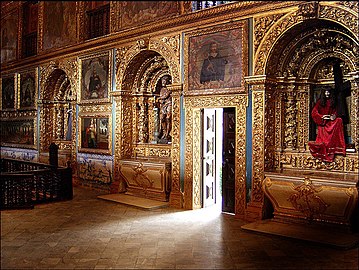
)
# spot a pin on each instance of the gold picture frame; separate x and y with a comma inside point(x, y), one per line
point(8, 92)
point(96, 73)
point(217, 59)
point(27, 89)
point(20, 133)
point(95, 133)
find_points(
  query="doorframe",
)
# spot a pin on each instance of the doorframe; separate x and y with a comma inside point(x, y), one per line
point(192, 177)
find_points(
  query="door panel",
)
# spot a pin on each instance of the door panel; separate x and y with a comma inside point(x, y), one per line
point(228, 169)
point(209, 150)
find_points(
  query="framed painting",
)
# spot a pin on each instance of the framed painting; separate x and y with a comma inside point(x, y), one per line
point(27, 90)
point(8, 93)
point(216, 59)
point(95, 78)
point(18, 133)
point(95, 133)
point(59, 27)
point(9, 30)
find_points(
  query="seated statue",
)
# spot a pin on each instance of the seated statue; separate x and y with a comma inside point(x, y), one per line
point(330, 137)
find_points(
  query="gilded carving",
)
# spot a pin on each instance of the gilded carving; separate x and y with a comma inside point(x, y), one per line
point(290, 128)
point(40, 34)
point(123, 124)
point(269, 131)
point(307, 201)
point(279, 117)
point(258, 145)
point(196, 155)
point(342, 15)
point(95, 108)
point(115, 16)
point(274, 33)
point(141, 178)
point(192, 176)
point(168, 47)
point(303, 119)
point(262, 25)
point(349, 164)
point(338, 14)
point(175, 154)
point(81, 34)
point(309, 10)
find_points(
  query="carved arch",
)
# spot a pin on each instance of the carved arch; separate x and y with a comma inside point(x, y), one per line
point(68, 67)
point(166, 47)
point(337, 13)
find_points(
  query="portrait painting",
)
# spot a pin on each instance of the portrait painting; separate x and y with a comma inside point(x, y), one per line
point(18, 132)
point(8, 93)
point(145, 11)
point(27, 90)
point(95, 78)
point(9, 25)
point(59, 24)
point(95, 133)
point(215, 60)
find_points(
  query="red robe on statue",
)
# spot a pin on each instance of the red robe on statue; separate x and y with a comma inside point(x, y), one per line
point(330, 137)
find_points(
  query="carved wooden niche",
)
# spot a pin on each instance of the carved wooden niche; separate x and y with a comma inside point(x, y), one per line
point(152, 119)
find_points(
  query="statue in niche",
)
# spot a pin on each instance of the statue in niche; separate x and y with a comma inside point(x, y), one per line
point(165, 104)
point(330, 137)
point(331, 114)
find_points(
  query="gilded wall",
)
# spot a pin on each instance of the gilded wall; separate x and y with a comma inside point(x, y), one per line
point(97, 96)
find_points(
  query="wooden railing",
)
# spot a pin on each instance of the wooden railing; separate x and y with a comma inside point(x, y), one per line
point(24, 184)
point(99, 21)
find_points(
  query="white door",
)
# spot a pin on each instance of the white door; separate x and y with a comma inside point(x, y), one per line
point(209, 157)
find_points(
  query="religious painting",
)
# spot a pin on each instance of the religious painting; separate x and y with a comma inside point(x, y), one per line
point(27, 90)
point(8, 93)
point(59, 24)
point(95, 133)
point(135, 13)
point(216, 59)
point(95, 78)
point(18, 132)
point(9, 27)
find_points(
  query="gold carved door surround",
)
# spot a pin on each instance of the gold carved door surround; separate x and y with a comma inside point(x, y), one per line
point(192, 177)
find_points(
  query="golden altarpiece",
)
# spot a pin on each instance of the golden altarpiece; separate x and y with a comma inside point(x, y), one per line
point(284, 52)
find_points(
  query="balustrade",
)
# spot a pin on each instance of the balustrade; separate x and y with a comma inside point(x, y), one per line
point(25, 183)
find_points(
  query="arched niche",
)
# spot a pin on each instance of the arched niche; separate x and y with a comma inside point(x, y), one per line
point(58, 99)
point(297, 55)
point(142, 79)
point(138, 83)
point(301, 61)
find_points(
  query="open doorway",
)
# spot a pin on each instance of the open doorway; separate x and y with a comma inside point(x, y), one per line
point(218, 158)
